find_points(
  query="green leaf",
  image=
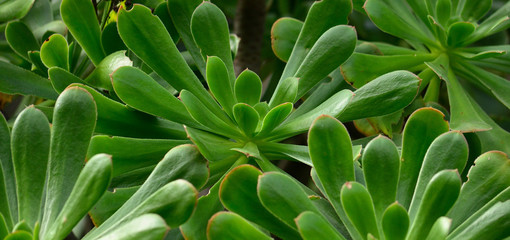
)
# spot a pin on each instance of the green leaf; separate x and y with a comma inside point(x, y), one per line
point(395, 222)
point(110, 39)
point(443, 11)
point(314, 227)
point(390, 18)
point(283, 197)
point(238, 193)
point(9, 209)
point(381, 164)
point(117, 119)
point(219, 84)
point(334, 106)
point(496, 22)
point(55, 52)
point(284, 34)
point(30, 145)
point(129, 154)
point(81, 20)
point(440, 229)
point(14, 9)
point(384, 95)
point(16, 80)
point(174, 202)
point(497, 85)
point(213, 147)
point(287, 151)
point(209, 28)
point(226, 225)
point(448, 151)
point(322, 16)
point(181, 12)
point(147, 37)
point(101, 77)
point(149, 226)
point(90, 186)
point(37, 64)
point(489, 176)
point(74, 120)
point(492, 224)
point(358, 206)
point(19, 235)
point(274, 118)
point(422, 127)
point(474, 10)
point(464, 117)
point(109, 203)
point(379, 65)
point(203, 115)
point(164, 15)
point(459, 32)
point(182, 162)
point(140, 91)
point(247, 118)
point(286, 93)
point(439, 196)
point(327, 54)
point(248, 87)
point(331, 153)
point(20, 38)
point(61, 79)
point(4, 230)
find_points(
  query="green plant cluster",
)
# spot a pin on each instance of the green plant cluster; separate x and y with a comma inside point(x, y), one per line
point(139, 122)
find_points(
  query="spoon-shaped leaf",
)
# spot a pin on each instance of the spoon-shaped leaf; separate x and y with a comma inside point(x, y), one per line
point(210, 30)
point(246, 117)
point(314, 227)
point(439, 196)
point(422, 127)
point(149, 226)
point(90, 186)
point(381, 164)
point(238, 193)
point(459, 32)
point(81, 20)
point(30, 150)
point(14, 9)
point(20, 38)
point(358, 206)
point(213, 147)
point(140, 91)
point(286, 93)
point(227, 225)
point(101, 77)
point(283, 197)
point(9, 209)
point(55, 52)
point(61, 79)
point(395, 222)
point(284, 34)
point(448, 151)
point(275, 117)
point(74, 120)
point(248, 87)
point(218, 80)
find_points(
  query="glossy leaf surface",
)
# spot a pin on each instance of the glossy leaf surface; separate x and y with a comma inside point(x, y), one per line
point(20, 38)
point(30, 83)
point(101, 77)
point(248, 88)
point(146, 227)
point(9, 210)
point(246, 117)
point(55, 52)
point(80, 18)
point(284, 34)
point(227, 225)
point(358, 206)
point(313, 227)
point(395, 222)
point(61, 79)
point(219, 83)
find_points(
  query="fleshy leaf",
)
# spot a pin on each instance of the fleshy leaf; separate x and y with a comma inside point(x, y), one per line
point(61, 79)
point(101, 77)
point(90, 186)
point(381, 164)
point(314, 227)
point(16, 80)
point(248, 88)
point(440, 229)
point(81, 20)
point(219, 84)
point(422, 127)
point(275, 117)
point(14, 9)
point(246, 117)
point(20, 38)
point(284, 34)
point(30, 145)
point(227, 225)
point(395, 222)
point(55, 52)
point(286, 93)
point(149, 226)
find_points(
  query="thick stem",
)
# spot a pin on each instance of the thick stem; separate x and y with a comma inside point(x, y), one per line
point(249, 26)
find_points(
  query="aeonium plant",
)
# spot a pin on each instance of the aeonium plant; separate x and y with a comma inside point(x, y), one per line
point(47, 187)
point(417, 193)
point(446, 46)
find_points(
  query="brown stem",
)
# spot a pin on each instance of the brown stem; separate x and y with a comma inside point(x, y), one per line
point(249, 26)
